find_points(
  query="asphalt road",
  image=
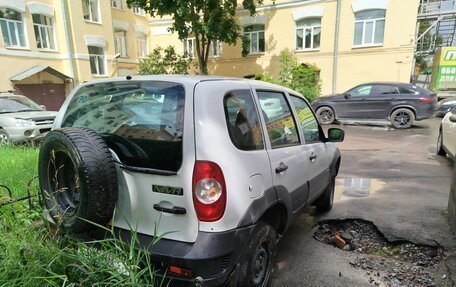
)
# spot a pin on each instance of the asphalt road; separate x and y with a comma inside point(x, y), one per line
point(407, 189)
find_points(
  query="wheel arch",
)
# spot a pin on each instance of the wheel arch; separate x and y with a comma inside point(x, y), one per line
point(395, 108)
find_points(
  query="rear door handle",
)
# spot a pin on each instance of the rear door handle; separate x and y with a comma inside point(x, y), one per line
point(174, 210)
point(282, 167)
point(313, 156)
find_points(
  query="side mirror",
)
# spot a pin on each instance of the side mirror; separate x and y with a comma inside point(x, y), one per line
point(453, 118)
point(43, 107)
point(336, 135)
point(346, 95)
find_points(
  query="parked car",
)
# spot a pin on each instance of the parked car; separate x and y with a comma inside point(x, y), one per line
point(446, 142)
point(22, 120)
point(400, 103)
point(218, 177)
point(444, 106)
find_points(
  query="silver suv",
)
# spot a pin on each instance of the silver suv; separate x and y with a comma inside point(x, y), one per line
point(21, 119)
point(199, 160)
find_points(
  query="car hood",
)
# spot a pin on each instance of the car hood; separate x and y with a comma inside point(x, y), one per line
point(327, 97)
point(446, 102)
point(32, 115)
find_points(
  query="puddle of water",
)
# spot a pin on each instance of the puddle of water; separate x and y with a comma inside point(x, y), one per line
point(350, 188)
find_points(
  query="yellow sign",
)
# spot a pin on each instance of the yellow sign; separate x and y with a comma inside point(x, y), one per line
point(448, 56)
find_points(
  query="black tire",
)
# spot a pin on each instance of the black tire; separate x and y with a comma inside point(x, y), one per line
point(402, 118)
point(325, 202)
point(440, 150)
point(325, 115)
point(78, 179)
point(257, 261)
point(4, 138)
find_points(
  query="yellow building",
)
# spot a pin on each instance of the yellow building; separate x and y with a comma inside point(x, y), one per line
point(49, 46)
point(374, 42)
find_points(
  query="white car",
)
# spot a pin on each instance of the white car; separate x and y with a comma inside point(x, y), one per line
point(205, 167)
point(446, 143)
point(22, 120)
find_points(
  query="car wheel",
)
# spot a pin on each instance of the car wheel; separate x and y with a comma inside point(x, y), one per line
point(440, 149)
point(325, 202)
point(257, 261)
point(326, 115)
point(78, 179)
point(4, 138)
point(402, 118)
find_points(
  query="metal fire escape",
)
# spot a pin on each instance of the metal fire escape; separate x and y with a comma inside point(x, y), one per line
point(436, 26)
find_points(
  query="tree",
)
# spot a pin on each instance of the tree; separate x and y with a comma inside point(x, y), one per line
point(206, 20)
point(300, 77)
point(165, 61)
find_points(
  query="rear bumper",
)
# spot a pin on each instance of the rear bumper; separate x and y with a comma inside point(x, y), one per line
point(212, 258)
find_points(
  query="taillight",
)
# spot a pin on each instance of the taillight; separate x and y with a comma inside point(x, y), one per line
point(209, 191)
point(427, 100)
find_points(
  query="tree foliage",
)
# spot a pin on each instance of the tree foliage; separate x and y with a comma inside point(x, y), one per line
point(205, 20)
point(164, 61)
point(302, 78)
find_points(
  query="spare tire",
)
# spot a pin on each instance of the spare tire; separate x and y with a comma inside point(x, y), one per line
point(78, 179)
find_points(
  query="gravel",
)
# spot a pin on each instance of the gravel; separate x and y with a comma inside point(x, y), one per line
point(385, 263)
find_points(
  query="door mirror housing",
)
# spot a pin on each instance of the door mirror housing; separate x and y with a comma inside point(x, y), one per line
point(453, 118)
point(336, 135)
point(346, 95)
point(43, 107)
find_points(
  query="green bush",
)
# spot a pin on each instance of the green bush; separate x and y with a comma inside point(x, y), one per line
point(164, 61)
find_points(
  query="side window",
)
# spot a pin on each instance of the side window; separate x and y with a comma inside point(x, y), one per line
point(383, 90)
point(405, 90)
point(243, 121)
point(361, 91)
point(307, 121)
point(279, 120)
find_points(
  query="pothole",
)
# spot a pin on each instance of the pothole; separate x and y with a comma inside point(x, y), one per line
point(399, 263)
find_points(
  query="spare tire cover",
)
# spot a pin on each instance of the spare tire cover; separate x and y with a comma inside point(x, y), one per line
point(78, 179)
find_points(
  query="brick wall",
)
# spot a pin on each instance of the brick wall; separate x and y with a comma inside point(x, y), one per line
point(452, 202)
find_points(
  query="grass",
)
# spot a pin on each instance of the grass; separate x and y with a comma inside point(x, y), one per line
point(31, 256)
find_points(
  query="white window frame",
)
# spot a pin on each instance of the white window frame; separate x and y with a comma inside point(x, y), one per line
point(139, 11)
point(117, 4)
point(374, 26)
point(216, 49)
point(121, 43)
point(49, 32)
point(90, 3)
point(141, 46)
point(98, 58)
point(249, 36)
point(312, 33)
point(186, 43)
point(15, 31)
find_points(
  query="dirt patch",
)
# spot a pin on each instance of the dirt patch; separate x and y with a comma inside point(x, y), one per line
point(399, 263)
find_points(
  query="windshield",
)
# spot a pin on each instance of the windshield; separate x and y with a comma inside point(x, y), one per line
point(141, 121)
point(17, 103)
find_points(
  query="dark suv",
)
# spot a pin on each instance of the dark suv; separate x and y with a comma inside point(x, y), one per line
point(400, 103)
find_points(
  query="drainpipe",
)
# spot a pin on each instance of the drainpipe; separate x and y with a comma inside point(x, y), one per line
point(336, 48)
point(67, 40)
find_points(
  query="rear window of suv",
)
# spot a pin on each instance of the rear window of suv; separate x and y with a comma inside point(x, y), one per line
point(141, 121)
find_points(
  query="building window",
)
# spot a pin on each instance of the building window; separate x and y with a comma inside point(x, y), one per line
point(120, 39)
point(369, 27)
point(91, 10)
point(44, 32)
point(141, 46)
point(139, 11)
point(216, 49)
point(97, 60)
point(117, 4)
point(308, 33)
point(255, 34)
point(12, 27)
point(189, 48)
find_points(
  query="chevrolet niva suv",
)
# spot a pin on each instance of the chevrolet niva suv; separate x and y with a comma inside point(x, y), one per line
point(202, 161)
